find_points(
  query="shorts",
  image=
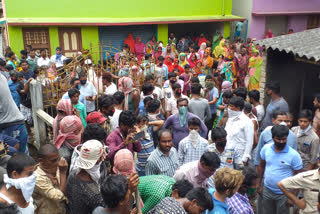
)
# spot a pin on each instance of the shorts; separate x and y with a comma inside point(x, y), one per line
point(27, 114)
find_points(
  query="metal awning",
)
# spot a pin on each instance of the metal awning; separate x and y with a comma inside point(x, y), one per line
point(303, 44)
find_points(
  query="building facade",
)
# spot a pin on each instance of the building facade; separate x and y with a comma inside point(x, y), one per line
point(278, 15)
point(77, 25)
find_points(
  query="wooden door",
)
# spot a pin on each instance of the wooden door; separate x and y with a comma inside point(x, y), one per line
point(70, 41)
point(313, 22)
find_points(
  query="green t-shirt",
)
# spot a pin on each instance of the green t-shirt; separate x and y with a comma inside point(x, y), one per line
point(83, 113)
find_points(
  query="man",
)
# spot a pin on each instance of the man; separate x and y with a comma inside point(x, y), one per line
point(196, 202)
point(167, 90)
point(25, 70)
point(74, 94)
point(58, 58)
point(172, 39)
point(316, 118)
point(106, 107)
point(157, 91)
point(109, 87)
point(164, 159)
point(240, 129)
point(227, 182)
point(309, 183)
point(123, 136)
point(182, 45)
point(278, 118)
point(147, 91)
point(13, 84)
point(171, 107)
point(23, 55)
point(118, 101)
point(199, 106)
point(198, 172)
point(254, 97)
point(82, 187)
point(49, 193)
point(3, 70)
point(212, 94)
point(278, 161)
point(193, 51)
point(147, 65)
point(75, 83)
point(239, 202)
point(19, 182)
point(43, 59)
point(116, 191)
point(161, 71)
point(193, 146)
point(89, 91)
point(277, 103)
point(32, 60)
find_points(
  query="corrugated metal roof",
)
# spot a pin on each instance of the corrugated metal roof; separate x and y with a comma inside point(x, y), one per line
point(304, 44)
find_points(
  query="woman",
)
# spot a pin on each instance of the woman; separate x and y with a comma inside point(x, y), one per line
point(168, 52)
point(140, 49)
point(168, 63)
point(202, 49)
point(219, 50)
point(243, 60)
point(64, 108)
point(177, 66)
point(193, 60)
point(222, 102)
point(69, 136)
point(151, 45)
point(132, 96)
point(130, 42)
point(187, 75)
point(227, 72)
point(183, 59)
point(255, 64)
point(158, 53)
point(207, 62)
point(198, 69)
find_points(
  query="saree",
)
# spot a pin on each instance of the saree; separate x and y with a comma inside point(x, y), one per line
point(219, 50)
point(255, 64)
point(183, 63)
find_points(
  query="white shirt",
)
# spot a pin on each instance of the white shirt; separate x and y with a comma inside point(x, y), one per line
point(114, 121)
point(58, 63)
point(240, 131)
point(42, 62)
point(89, 90)
point(111, 89)
point(172, 104)
point(260, 112)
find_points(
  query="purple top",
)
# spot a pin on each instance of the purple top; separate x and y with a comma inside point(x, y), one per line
point(186, 78)
point(181, 132)
point(114, 141)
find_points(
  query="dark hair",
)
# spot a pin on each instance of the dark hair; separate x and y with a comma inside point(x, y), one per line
point(194, 121)
point(171, 74)
point(202, 196)
point(305, 113)
point(175, 70)
point(18, 162)
point(249, 176)
point(58, 48)
point(94, 131)
point(218, 133)
point(208, 77)
point(176, 86)
point(148, 78)
point(147, 88)
point(43, 49)
point(113, 190)
point(183, 187)
point(254, 94)
point(279, 131)
point(210, 159)
point(8, 208)
point(9, 67)
point(147, 100)
point(147, 56)
point(161, 132)
point(107, 76)
point(23, 61)
point(125, 46)
point(73, 91)
point(241, 92)
point(82, 74)
point(237, 102)
point(142, 118)
point(20, 75)
point(118, 97)
point(194, 80)
point(46, 149)
point(275, 114)
point(317, 96)
point(181, 100)
point(73, 80)
point(24, 52)
point(105, 101)
point(127, 118)
point(187, 66)
point(247, 107)
point(67, 61)
point(160, 58)
point(10, 54)
point(2, 62)
point(227, 94)
point(153, 106)
point(274, 86)
point(196, 88)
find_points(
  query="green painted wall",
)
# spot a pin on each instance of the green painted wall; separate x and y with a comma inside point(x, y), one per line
point(90, 39)
point(16, 39)
point(112, 9)
point(163, 33)
point(226, 29)
point(54, 39)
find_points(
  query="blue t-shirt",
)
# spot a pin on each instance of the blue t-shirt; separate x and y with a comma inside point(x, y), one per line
point(219, 207)
point(274, 105)
point(28, 75)
point(213, 93)
point(13, 89)
point(279, 165)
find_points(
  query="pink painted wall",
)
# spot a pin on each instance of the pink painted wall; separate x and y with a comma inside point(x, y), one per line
point(297, 23)
point(285, 5)
point(258, 25)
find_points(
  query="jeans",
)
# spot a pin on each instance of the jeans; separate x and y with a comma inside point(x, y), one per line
point(20, 133)
point(274, 203)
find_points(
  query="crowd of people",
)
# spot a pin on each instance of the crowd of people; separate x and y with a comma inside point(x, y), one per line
point(177, 129)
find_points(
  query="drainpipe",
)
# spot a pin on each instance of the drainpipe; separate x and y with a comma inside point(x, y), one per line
point(223, 6)
point(6, 32)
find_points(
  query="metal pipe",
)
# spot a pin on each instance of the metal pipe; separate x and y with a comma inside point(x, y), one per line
point(223, 7)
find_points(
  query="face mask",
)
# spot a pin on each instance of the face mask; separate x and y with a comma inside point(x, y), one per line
point(160, 64)
point(178, 92)
point(251, 191)
point(111, 112)
point(83, 82)
point(193, 137)
point(94, 172)
point(203, 173)
point(280, 146)
point(77, 87)
point(283, 123)
point(233, 114)
point(221, 143)
point(183, 111)
point(172, 82)
point(13, 79)
point(209, 85)
point(145, 130)
point(25, 184)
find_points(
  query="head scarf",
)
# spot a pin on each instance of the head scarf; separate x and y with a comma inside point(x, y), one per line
point(158, 53)
point(139, 46)
point(192, 63)
point(68, 126)
point(123, 163)
point(66, 106)
point(58, 56)
point(185, 59)
point(227, 85)
point(126, 86)
point(168, 63)
point(165, 53)
point(130, 42)
point(219, 50)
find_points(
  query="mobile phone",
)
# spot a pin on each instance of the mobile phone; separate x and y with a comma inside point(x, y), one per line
point(3, 150)
point(138, 136)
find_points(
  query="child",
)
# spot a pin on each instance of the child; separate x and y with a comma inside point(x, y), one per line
point(307, 140)
point(74, 94)
point(198, 69)
point(187, 77)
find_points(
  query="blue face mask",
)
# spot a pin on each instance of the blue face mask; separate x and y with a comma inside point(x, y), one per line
point(83, 82)
point(183, 111)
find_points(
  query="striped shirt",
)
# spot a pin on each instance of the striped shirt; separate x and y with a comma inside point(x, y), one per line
point(168, 205)
point(142, 156)
point(189, 152)
point(239, 204)
point(160, 164)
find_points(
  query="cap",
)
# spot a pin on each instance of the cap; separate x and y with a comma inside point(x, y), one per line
point(95, 117)
point(123, 162)
point(90, 153)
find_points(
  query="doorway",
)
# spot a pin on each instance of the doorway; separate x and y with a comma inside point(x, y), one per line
point(70, 41)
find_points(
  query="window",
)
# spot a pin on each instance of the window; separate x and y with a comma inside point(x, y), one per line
point(38, 38)
point(313, 22)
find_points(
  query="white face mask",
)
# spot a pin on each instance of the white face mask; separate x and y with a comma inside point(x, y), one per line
point(94, 172)
point(26, 184)
point(152, 116)
point(233, 114)
point(145, 130)
point(283, 123)
point(193, 136)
